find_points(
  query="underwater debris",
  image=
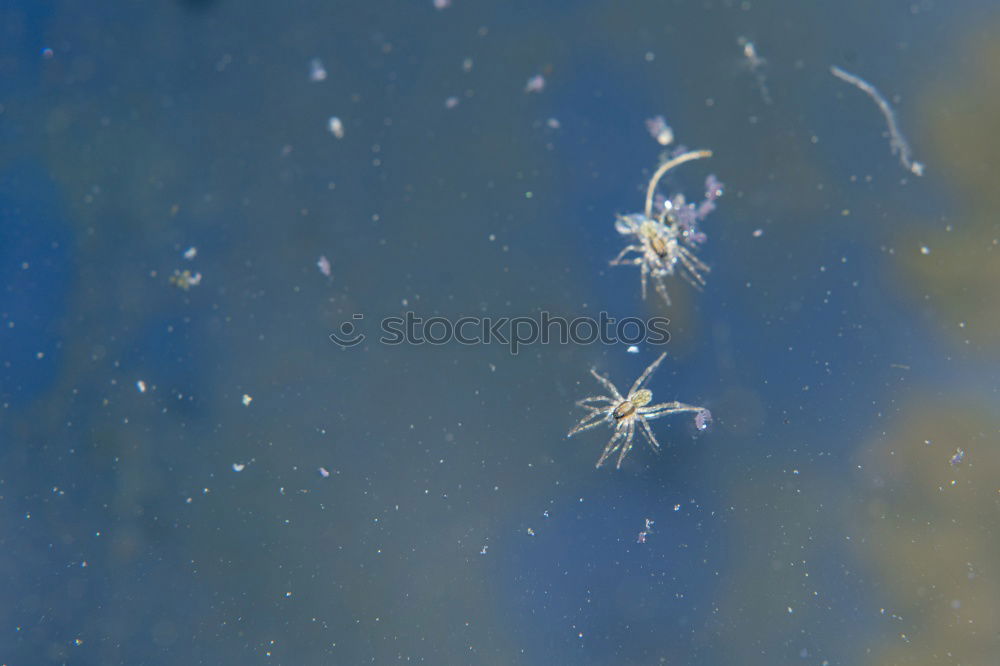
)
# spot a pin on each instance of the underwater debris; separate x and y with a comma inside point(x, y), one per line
point(897, 142)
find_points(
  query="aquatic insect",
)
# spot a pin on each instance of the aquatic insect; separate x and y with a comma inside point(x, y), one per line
point(658, 253)
point(624, 414)
point(662, 244)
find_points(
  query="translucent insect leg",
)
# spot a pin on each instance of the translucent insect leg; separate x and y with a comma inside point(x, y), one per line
point(620, 259)
point(664, 408)
point(646, 373)
point(648, 432)
point(589, 421)
point(585, 403)
point(612, 446)
point(627, 446)
point(607, 384)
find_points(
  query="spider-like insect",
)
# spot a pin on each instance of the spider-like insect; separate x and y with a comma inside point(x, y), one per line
point(623, 413)
point(659, 243)
point(659, 253)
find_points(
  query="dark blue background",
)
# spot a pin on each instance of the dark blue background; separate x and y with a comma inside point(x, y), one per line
point(818, 521)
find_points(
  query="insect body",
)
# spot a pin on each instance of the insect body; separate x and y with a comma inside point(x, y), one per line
point(663, 235)
point(625, 413)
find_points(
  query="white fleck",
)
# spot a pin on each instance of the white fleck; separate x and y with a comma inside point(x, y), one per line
point(324, 265)
point(633, 350)
point(451, 102)
point(535, 84)
point(247, 400)
point(757, 233)
point(239, 467)
point(191, 253)
point(336, 127)
point(141, 385)
point(659, 130)
point(317, 72)
point(924, 249)
point(324, 472)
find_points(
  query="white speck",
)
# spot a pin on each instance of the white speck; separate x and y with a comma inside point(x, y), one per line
point(336, 127)
point(191, 253)
point(531, 532)
point(924, 249)
point(239, 467)
point(535, 84)
point(790, 611)
point(451, 102)
point(633, 350)
point(757, 233)
point(483, 551)
point(659, 130)
point(324, 265)
point(247, 400)
point(141, 385)
point(442, 4)
point(467, 65)
point(324, 472)
point(317, 72)
point(553, 123)
point(677, 507)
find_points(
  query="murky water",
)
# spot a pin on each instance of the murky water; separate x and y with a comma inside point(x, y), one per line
point(191, 471)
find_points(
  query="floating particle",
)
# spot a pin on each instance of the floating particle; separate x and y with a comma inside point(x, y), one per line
point(633, 349)
point(531, 532)
point(239, 467)
point(757, 233)
point(677, 507)
point(659, 130)
point(442, 4)
point(324, 472)
point(703, 419)
point(47, 53)
point(336, 127)
point(958, 457)
point(553, 123)
point(924, 249)
point(185, 279)
point(756, 65)
point(897, 142)
point(190, 253)
point(467, 65)
point(324, 265)
point(317, 72)
point(141, 385)
point(247, 400)
point(483, 551)
point(451, 102)
point(535, 84)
